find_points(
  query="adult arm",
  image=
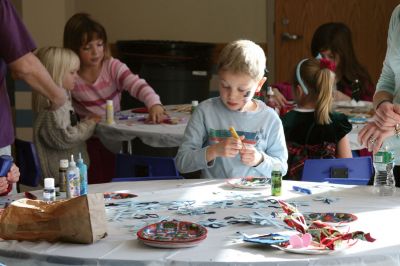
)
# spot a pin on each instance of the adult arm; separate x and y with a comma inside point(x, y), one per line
point(30, 69)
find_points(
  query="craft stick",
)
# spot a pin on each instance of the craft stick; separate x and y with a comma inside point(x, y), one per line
point(234, 133)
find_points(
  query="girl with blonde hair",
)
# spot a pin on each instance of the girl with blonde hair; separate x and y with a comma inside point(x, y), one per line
point(59, 134)
point(313, 130)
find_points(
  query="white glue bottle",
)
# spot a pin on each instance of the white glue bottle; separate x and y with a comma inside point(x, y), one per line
point(49, 191)
point(83, 174)
point(109, 112)
point(73, 180)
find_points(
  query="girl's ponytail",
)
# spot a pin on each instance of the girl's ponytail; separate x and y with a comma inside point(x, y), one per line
point(317, 78)
point(325, 82)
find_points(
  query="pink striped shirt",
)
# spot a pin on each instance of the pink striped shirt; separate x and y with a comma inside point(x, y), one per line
point(114, 77)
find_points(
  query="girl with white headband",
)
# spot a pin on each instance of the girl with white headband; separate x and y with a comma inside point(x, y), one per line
point(313, 130)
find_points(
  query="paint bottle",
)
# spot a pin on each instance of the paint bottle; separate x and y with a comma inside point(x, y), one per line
point(109, 112)
point(73, 178)
point(356, 90)
point(62, 175)
point(49, 191)
point(83, 175)
point(194, 105)
point(276, 180)
point(270, 99)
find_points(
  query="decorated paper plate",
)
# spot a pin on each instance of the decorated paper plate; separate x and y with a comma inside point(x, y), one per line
point(118, 196)
point(172, 234)
point(250, 182)
point(332, 218)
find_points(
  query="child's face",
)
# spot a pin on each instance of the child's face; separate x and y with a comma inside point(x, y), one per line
point(69, 79)
point(92, 53)
point(237, 90)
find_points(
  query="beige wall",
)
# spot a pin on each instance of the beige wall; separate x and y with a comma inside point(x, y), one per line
point(45, 20)
point(187, 20)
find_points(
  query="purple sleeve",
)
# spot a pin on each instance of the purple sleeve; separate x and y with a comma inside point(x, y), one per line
point(15, 38)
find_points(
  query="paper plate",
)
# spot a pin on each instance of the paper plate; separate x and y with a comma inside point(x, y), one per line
point(118, 196)
point(332, 218)
point(250, 182)
point(172, 234)
point(315, 250)
point(353, 104)
point(306, 250)
point(358, 120)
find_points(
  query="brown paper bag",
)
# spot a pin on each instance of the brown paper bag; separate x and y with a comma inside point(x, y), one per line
point(78, 220)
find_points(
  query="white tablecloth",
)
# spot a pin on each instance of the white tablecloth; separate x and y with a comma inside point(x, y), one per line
point(155, 135)
point(165, 135)
point(377, 215)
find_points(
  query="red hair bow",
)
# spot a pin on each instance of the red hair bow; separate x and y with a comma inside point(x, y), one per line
point(326, 63)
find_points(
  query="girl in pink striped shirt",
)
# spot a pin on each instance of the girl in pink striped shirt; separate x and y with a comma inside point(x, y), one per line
point(102, 77)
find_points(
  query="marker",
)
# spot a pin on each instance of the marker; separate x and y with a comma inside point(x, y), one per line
point(302, 190)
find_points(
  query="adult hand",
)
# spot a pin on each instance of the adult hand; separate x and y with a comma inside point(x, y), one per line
point(156, 114)
point(372, 136)
point(250, 156)
point(279, 98)
point(13, 174)
point(387, 115)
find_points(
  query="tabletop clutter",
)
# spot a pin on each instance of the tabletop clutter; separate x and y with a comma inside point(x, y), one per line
point(83, 217)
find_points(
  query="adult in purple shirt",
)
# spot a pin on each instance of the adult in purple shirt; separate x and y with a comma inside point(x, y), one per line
point(16, 48)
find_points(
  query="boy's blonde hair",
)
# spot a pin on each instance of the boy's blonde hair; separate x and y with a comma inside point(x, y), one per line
point(319, 81)
point(244, 57)
point(58, 61)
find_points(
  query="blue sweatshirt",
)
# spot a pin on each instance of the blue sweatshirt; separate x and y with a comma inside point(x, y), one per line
point(210, 124)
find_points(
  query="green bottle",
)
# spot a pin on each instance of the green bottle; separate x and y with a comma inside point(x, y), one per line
point(276, 180)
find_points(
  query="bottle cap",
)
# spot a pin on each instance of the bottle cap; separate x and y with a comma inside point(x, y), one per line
point(270, 91)
point(109, 102)
point(72, 162)
point(195, 103)
point(276, 167)
point(64, 163)
point(49, 182)
point(80, 160)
